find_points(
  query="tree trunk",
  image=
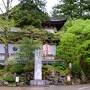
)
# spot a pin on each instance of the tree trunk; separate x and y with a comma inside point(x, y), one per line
point(7, 9)
point(6, 54)
point(6, 48)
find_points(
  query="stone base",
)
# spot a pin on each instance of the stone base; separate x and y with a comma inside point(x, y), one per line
point(38, 82)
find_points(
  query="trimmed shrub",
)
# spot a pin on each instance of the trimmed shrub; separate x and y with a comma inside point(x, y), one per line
point(9, 78)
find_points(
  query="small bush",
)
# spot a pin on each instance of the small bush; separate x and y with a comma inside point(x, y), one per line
point(1, 67)
point(9, 78)
point(17, 68)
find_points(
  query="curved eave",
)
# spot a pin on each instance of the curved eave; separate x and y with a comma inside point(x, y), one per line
point(55, 23)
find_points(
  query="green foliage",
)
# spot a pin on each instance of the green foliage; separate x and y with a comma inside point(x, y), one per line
point(47, 70)
point(26, 50)
point(35, 33)
point(1, 67)
point(33, 3)
point(29, 12)
point(9, 78)
point(56, 67)
point(86, 68)
point(76, 37)
point(29, 67)
point(10, 61)
point(39, 34)
point(72, 8)
point(67, 49)
point(75, 44)
point(17, 68)
point(61, 64)
point(87, 60)
point(61, 67)
point(5, 36)
point(81, 29)
point(76, 69)
point(6, 24)
point(2, 72)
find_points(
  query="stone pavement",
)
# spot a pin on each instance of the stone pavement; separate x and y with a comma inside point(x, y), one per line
point(73, 87)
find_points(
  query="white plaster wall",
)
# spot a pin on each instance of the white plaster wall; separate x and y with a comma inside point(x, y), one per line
point(2, 50)
point(10, 48)
point(49, 49)
point(10, 51)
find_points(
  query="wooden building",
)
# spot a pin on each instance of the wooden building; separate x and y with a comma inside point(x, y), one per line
point(49, 48)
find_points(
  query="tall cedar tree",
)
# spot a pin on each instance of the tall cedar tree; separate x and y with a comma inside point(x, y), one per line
point(72, 9)
point(29, 12)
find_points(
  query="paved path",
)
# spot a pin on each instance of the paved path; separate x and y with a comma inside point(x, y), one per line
point(74, 87)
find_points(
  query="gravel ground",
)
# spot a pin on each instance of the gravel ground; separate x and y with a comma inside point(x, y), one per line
point(73, 87)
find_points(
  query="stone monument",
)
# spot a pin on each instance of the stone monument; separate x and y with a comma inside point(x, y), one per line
point(38, 70)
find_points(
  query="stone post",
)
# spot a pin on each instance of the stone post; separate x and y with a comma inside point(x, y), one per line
point(38, 70)
point(38, 65)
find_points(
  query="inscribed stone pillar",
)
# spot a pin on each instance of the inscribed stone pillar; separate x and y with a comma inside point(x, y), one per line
point(38, 65)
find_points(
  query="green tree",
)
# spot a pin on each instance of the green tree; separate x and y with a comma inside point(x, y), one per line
point(66, 8)
point(72, 9)
point(7, 4)
point(67, 49)
point(33, 3)
point(16, 68)
point(39, 34)
point(29, 12)
point(83, 8)
point(5, 27)
point(9, 78)
point(75, 44)
point(26, 50)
